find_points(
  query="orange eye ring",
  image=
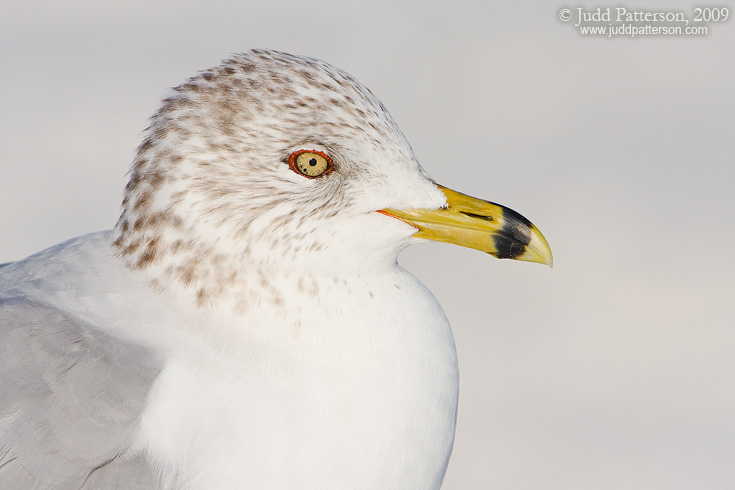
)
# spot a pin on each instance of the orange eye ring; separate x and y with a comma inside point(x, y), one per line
point(312, 164)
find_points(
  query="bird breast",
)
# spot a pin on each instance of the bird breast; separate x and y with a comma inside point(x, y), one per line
point(349, 397)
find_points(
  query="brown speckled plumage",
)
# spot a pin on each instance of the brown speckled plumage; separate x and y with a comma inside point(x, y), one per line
point(215, 159)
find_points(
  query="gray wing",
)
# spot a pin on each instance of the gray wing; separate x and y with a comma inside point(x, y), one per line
point(70, 399)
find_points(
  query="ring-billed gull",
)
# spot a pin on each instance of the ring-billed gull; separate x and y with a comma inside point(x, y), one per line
point(245, 324)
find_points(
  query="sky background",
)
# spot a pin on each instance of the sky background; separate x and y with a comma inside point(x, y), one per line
point(614, 370)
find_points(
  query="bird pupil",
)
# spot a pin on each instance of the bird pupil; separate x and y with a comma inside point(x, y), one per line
point(312, 162)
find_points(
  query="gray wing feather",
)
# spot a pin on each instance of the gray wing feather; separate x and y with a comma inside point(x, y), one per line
point(70, 399)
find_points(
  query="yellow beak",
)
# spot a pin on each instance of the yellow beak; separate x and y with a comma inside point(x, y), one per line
point(478, 224)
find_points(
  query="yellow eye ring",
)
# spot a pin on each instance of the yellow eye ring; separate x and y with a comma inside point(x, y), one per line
point(310, 163)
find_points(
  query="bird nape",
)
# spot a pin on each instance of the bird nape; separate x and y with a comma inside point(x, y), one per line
point(245, 324)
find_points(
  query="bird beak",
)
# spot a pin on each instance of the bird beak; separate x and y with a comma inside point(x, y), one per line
point(479, 224)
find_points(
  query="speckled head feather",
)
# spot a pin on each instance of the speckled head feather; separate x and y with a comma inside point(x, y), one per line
point(212, 200)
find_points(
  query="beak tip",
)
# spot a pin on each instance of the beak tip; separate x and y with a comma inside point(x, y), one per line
point(540, 249)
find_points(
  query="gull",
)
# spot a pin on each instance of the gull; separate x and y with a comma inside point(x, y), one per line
point(245, 325)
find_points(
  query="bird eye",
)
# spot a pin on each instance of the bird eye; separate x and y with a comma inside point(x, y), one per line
point(310, 163)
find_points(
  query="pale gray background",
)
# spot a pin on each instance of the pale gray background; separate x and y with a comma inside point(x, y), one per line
point(614, 370)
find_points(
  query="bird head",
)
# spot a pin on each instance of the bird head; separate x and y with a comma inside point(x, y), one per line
point(271, 160)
